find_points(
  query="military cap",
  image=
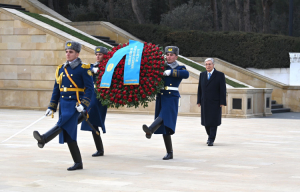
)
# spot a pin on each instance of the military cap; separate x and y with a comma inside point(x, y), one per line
point(73, 45)
point(100, 49)
point(172, 49)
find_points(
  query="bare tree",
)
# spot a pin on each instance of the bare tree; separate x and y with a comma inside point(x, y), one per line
point(225, 15)
point(137, 11)
point(91, 5)
point(171, 5)
point(266, 5)
point(238, 5)
point(214, 9)
point(111, 9)
point(247, 15)
point(50, 4)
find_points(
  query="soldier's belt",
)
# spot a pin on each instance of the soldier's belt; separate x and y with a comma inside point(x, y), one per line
point(66, 89)
point(170, 88)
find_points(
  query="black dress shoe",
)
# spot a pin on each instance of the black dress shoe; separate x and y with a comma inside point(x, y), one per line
point(168, 156)
point(98, 153)
point(210, 144)
point(75, 167)
point(207, 142)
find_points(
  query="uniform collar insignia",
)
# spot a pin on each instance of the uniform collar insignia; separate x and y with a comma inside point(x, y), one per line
point(96, 63)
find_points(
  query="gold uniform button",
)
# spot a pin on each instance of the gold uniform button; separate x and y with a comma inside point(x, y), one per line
point(63, 75)
point(71, 74)
point(70, 96)
point(70, 85)
point(169, 92)
point(62, 96)
point(161, 93)
point(62, 85)
point(170, 84)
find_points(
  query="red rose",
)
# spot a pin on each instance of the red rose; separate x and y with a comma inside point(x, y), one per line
point(163, 62)
point(155, 76)
point(119, 91)
point(147, 82)
point(130, 96)
point(120, 86)
point(141, 91)
point(118, 76)
point(135, 96)
point(124, 92)
point(158, 79)
point(142, 74)
point(115, 85)
point(149, 93)
point(102, 94)
point(112, 99)
point(124, 97)
point(160, 53)
point(146, 89)
point(111, 94)
point(130, 92)
point(126, 88)
point(142, 81)
point(98, 90)
point(144, 96)
point(150, 78)
point(129, 100)
point(120, 102)
point(150, 58)
point(136, 91)
point(131, 87)
point(107, 92)
point(136, 99)
point(116, 100)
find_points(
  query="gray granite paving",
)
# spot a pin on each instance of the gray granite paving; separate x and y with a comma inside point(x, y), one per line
point(259, 154)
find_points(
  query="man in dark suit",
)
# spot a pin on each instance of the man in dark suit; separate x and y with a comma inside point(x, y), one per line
point(211, 97)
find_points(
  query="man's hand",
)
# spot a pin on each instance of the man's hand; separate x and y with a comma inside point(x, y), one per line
point(167, 72)
point(95, 70)
point(199, 104)
point(48, 112)
point(221, 105)
point(79, 108)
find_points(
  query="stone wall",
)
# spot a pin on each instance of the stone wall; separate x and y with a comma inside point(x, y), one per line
point(284, 94)
point(28, 60)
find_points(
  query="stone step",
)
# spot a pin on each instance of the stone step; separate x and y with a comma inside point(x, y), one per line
point(273, 102)
point(17, 7)
point(276, 106)
point(107, 40)
point(281, 110)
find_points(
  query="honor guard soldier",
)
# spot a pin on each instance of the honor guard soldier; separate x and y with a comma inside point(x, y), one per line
point(73, 90)
point(166, 107)
point(96, 111)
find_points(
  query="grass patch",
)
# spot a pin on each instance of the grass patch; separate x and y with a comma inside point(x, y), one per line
point(200, 68)
point(66, 29)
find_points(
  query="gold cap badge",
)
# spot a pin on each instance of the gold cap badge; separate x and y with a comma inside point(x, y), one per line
point(69, 44)
point(170, 49)
point(98, 49)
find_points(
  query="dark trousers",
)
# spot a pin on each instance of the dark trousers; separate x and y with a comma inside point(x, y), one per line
point(211, 132)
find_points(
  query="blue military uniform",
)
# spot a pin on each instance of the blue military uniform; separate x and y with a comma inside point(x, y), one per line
point(167, 101)
point(66, 92)
point(166, 107)
point(97, 112)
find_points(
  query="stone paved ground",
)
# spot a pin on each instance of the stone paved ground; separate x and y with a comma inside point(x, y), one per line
point(260, 154)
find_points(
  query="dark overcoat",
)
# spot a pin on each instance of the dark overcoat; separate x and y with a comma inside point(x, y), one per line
point(211, 94)
point(97, 112)
point(166, 105)
point(81, 76)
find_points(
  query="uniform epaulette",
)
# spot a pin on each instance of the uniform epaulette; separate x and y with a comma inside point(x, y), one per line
point(182, 67)
point(86, 66)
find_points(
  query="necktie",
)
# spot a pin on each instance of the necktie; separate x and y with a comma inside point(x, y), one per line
point(209, 74)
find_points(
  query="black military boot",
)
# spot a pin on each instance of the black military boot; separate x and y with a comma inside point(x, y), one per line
point(153, 127)
point(99, 145)
point(168, 144)
point(48, 136)
point(74, 150)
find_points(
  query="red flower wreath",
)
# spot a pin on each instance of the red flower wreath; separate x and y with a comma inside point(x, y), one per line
point(151, 79)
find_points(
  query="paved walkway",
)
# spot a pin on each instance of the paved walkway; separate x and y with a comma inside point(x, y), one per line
point(260, 154)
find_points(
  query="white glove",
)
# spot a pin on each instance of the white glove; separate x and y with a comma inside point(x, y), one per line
point(79, 108)
point(48, 112)
point(167, 72)
point(95, 70)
